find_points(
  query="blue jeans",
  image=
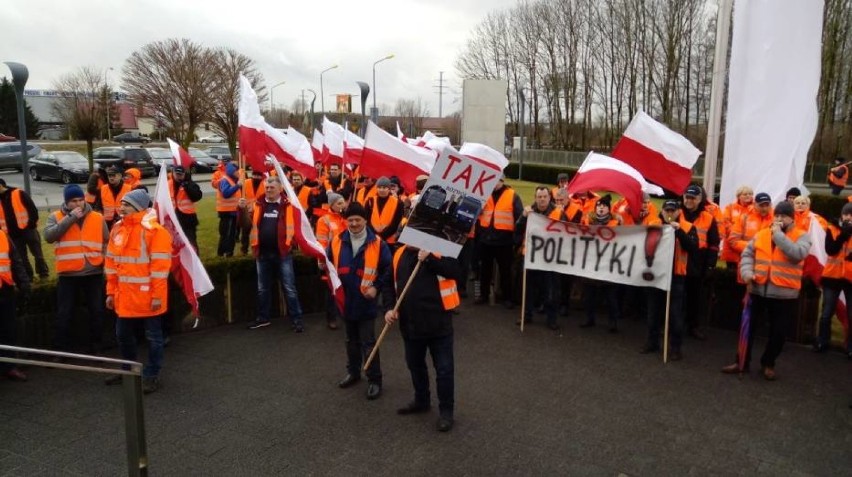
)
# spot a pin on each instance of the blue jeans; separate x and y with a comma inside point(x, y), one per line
point(268, 270)
point(442, 358)
point(830, 294)
point(125, 332)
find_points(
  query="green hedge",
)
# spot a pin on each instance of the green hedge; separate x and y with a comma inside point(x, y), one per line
point(538, 173)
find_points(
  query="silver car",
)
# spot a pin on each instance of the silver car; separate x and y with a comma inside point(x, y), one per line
point(10, 154)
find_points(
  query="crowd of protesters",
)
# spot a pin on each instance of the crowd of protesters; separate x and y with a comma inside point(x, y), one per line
point(110, 249)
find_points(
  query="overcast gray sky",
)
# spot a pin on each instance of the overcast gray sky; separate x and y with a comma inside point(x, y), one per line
point(290, 41)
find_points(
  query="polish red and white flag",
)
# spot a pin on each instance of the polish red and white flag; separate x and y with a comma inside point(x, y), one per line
point(385, 155)
point(815, 263)
point(316, 145)
point(484, 155)
point(401, 135)
point(258, 139)
point(353, 147)
point(599, 172)
point(661, 155)
point(186, 269)
point(180, 157)
point(332, 149)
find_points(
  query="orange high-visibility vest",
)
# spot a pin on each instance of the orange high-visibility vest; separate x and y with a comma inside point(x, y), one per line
point(681, 258)
point(304, 194)
point(381, 221)
point(229, 204)
point(837, 266)
point(80, 244)
point(329, 226)
point(361, 196)
point(838, 181)
point(90, 198)
point(732, 215)
point(111, 202)
point(5, 261)
point(288, 228)
point(370, 272)
point(446, 286)
point(182, 202)
point(21, 214)
point(137, 264)
point(771, 264)
point(702, 226)
point(743, 231)
point(503, 213)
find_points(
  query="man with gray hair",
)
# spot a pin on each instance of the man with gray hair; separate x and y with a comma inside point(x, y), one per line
point(272, 228)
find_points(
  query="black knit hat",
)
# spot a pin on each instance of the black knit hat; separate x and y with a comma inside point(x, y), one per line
point(356, 208)
point(605, 200)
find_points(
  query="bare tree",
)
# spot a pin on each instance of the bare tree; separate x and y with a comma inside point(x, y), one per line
point(411, 113)
point(226, 92)
point(175, 79)
point(82, 105)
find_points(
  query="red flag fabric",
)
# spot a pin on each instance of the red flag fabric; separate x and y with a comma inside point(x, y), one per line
point(385, 155)
point(333, 135)
point(180, 157)
point(658, 153)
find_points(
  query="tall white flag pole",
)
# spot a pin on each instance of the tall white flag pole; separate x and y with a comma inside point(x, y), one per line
point(717, 94)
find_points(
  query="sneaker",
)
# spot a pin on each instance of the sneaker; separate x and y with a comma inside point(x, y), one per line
point(258, 324)
point(150, 385)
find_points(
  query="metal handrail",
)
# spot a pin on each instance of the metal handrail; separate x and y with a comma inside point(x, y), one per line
point(134, 418)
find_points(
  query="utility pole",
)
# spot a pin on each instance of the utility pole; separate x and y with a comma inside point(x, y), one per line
point(440, 86)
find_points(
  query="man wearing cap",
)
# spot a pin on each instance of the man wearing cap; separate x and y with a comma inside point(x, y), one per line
point(111, 194)
point(138, 259)
point(272, 242)
point(228, 196)
point(495, 239)
point(184, 194)
point(363, 262)
point(771, 267)
point(837, 176)
point(705, 224)
point(19, 219)
point(79, 236)
point(686, 242)
point(385, 212)
point(836, 278)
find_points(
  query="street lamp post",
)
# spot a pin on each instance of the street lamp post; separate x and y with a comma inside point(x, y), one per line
point(322, 94)
point(272, 95)
point(374, 113)
point(108, 108)
point(20, 75)
point(365, 91)
point(313, 121)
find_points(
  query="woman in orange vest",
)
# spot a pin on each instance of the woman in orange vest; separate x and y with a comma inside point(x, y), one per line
point(138, 260)
point(385, 212)
point(12, 274)
point(771, 266)
point(426, 324)
point(836, 278)
point(732, 214)
point(79, 236)
point(804, 214)
point(363, 263)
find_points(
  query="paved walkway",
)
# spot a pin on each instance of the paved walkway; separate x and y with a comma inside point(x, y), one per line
point(584, 402)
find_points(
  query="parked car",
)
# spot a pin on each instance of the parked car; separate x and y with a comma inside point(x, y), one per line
point(203, 161)
point(213, 138)
point(219, 152)
point(126, 157)
point(161, 156)
point(65, 166)
point(10, 154)
point(125, 138)
point(5, 138)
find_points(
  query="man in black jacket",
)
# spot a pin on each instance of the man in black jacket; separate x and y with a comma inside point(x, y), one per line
point(425, 321)
point(12, 275)
point(185, 193)
point(495, 240)
point(19, 218)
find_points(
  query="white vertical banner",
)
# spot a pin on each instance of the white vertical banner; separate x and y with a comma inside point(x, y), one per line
point(773, 82)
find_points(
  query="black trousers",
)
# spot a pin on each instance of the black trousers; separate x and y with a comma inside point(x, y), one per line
point(360, 340)
point(30, 239)
point(502, 254)
point(92, 289)
point(227, 234)
point(441, 350)
point(779, 313)
point(694, 303)
point(8, 325)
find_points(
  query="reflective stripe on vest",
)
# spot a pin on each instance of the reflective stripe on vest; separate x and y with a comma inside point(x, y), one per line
point(80, 243)
point(771, 264)
point(503, 213)
point(381, 221)
point(702, 225)
point(5, 262)
point(228, 204)
point(837, 266)
point(446, 286)
point(371, 261)
point(681, 258)
point(182, 202)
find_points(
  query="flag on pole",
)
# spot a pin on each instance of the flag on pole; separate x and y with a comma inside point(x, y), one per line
point(316, 145)
point(333, 134)
point(258, 139)
point(180, 157)
point(401, 135)
point(599, 172)
point(307, 241)
point(187, 269)
point(484, 155)
point(385, 155)
point(353, 147)
point(658, 153)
